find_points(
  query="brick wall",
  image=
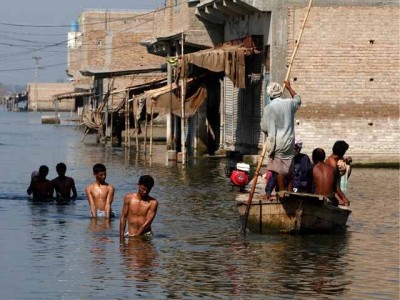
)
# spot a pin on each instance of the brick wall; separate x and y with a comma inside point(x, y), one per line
point(347, 70)
point(45, 96)
point(110, 41)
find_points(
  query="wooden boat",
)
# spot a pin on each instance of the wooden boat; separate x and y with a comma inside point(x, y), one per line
point(287, 212)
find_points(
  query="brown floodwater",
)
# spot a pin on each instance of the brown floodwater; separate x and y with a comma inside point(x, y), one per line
point(53, 251)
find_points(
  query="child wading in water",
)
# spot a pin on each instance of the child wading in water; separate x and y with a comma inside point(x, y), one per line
point(100, 194)
point(139, 210)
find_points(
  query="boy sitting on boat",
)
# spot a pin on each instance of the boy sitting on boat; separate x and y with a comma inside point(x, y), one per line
point(325, 178)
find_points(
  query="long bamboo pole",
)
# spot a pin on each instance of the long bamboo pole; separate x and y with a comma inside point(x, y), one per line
point(126, 136)
point(264, 150)
point(151, 128)
point(112, 120)
point(145, 131)
point(297, 43)
point(136, 103)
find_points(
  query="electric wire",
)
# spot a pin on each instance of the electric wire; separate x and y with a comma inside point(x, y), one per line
point(63, 43)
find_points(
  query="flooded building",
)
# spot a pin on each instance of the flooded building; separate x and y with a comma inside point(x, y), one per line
point(345, 69)
point(104, 55)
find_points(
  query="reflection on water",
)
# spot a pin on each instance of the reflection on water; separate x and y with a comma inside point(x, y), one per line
point(308, 265)
point(139, 256)
point(54, 251)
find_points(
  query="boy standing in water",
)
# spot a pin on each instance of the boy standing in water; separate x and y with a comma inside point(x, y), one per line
point(63, 185)
point(139, 209)
point(41, 187)
point(100, 194)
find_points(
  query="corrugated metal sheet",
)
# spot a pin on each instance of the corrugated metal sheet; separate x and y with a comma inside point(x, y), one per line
point(231, 108)
point(243, 111)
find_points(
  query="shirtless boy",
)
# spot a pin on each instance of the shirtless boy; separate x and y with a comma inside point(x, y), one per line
point(325, 178)
point(338, 151)
point(139, 209)
point(40, 187)
point(63, 185)
point(100, 194)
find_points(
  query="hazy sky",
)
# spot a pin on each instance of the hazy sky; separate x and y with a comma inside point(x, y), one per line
point(39, 28)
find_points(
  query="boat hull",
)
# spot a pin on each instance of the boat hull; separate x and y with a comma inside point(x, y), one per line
point(297, 213)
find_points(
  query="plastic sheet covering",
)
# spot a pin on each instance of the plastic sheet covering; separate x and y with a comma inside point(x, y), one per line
point(168, 96)
point(228, 59)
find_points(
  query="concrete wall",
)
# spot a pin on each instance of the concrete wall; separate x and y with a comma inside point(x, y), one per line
point(240, 27)
point(43, 98)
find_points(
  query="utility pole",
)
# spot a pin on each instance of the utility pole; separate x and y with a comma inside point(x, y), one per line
point(36, 58)
point(183, 98)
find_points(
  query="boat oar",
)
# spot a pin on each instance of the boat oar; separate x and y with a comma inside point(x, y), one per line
point(254, 183)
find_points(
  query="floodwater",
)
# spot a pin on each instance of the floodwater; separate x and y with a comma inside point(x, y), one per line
point(53, 251)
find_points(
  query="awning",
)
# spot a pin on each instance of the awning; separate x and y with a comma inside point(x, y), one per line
point(229, 59)
point(116, 73)
point(169, 96)
point(72, 95)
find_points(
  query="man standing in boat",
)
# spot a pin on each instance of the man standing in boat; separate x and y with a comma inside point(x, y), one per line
point(278, 124)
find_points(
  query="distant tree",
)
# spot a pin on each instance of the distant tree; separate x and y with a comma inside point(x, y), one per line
point(3, 91)
point(11, 89)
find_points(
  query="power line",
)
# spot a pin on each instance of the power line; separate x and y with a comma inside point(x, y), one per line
point(88, 24)
point(147, 12)
point(120, 48)
point(32, 34)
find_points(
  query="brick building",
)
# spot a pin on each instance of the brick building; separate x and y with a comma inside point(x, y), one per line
point(105, 44)
point(346, 68)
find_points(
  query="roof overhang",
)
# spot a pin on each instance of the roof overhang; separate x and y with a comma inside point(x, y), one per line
point(161, 45)
point(219, 11)
point(140, 88)
point(100, 74)
point(72, 95)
